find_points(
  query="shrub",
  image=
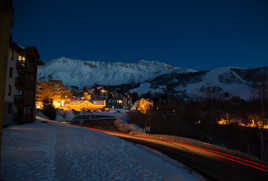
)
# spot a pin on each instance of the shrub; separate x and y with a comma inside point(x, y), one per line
point(48, 109)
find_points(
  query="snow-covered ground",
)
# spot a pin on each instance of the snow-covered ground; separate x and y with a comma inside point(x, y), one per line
point(42, 151)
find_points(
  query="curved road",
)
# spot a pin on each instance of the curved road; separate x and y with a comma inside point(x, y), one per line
point(213, 164)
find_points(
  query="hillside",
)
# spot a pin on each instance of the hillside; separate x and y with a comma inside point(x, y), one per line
point(153, 76)
point(87, 73)
point(235, 81)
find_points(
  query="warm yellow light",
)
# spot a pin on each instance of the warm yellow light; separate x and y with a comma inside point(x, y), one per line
point(82, 105)
point(22, 58)
point(62, 102)
point(252, 124)
point(39, 105)
point(223, 122)
point(56, 104)
point(144, 106)
point(103, 91)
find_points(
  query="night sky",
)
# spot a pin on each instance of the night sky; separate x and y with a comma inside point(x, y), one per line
point(199, 34)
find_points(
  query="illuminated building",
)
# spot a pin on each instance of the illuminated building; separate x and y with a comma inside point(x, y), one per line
point(143, 105)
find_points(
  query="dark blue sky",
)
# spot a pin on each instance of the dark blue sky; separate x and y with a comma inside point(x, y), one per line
point(198, 34)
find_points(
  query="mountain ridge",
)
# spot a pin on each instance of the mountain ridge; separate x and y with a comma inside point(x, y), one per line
point(153, 76)
point(99, 72)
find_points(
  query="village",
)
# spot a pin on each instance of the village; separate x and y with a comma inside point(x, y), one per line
point(25, 95)
point(94, 99)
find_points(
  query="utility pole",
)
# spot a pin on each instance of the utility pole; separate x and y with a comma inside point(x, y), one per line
point(6, 16)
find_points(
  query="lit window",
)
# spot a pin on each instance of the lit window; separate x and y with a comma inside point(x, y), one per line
point(119, 101)
point(22, 59)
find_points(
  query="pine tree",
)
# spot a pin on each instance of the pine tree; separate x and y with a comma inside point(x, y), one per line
point(48, 109)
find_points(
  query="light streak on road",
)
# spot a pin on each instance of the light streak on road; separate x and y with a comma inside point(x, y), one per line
point(208, 152)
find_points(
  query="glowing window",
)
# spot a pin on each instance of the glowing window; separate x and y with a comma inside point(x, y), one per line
point(22, 59)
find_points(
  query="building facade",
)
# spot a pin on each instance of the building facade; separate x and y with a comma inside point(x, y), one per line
point(6, 19)
point(10, 88)
point(19, 99)
point(26, 66)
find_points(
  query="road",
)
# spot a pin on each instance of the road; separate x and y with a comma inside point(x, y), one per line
point(212, 163)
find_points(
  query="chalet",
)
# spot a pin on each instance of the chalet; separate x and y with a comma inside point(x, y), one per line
point(142, 105)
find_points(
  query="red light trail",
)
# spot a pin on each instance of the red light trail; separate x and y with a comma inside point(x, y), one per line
point(260, 166)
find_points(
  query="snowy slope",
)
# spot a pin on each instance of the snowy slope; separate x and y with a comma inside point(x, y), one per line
point(232, 80)
point(153, 76)
point(87, 73)
point(60, 152)
point(222, 77)
point(146, 87)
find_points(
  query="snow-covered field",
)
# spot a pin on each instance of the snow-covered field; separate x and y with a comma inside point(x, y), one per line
point(42, 151)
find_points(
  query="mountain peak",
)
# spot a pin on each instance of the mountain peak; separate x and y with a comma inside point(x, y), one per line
point(86, 73)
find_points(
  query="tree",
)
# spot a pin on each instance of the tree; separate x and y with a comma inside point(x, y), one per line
point(48, 109)
point(135, 97)
point(262, 82)
point(213, 95)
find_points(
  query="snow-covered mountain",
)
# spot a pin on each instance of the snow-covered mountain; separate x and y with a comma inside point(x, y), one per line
point(87, 73)
point(232, 80)
point(152, 76)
